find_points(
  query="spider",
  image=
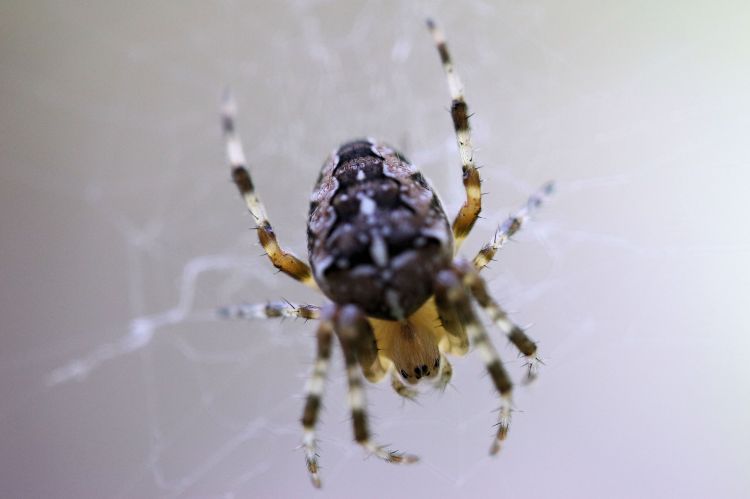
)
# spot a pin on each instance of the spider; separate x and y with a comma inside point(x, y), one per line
point(382, 250)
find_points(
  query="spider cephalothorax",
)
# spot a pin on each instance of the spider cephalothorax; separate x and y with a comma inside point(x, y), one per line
point(381, 249)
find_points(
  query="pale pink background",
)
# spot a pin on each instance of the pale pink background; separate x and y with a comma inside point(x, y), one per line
point(115, 202)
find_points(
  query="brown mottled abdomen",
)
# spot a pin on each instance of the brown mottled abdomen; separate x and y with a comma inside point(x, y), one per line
point(377, 233)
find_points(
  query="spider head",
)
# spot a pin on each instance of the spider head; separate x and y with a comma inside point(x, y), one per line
point(414, 352)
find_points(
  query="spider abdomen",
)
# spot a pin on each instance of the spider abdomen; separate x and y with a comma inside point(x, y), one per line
point(377, 233)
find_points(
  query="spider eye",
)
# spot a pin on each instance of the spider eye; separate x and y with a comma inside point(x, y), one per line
point(403, 373)
point(437, 362)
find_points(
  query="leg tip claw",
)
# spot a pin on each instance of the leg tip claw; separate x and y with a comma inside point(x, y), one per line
point(312, 467)
point(409, 458)
point(532, 366)
point(388, 455)
point(315, 479)
point(494, 448)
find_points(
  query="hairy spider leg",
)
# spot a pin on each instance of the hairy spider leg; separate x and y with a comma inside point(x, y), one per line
point(400, 387)
point(349, 328)
point(511, 225)
point(469, 212)
point(353, 321)
point(283, 260)
point(314, 392)
point(446, 373)
point(450, 290)
point(269, 310)
point(474, 282)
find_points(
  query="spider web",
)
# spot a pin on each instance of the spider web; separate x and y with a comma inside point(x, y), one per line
point(122, 233)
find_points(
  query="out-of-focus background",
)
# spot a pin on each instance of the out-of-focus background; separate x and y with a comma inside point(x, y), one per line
point(120, 232)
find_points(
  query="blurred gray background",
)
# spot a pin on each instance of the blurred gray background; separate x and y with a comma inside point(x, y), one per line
point(120, 232)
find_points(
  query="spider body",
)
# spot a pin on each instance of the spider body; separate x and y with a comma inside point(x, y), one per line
point(382, 250)
point(377, 232)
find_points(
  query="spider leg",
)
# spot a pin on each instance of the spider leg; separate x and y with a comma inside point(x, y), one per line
point(511, 225)
point(400, 388)
point(366, 345)
point(458, 341)
point(446, 373)
point(270, 310)
point(349, 328)
point(450, 288)
point(314, 392)
point(469, 212)
point(515, 334)
point(283, 260)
